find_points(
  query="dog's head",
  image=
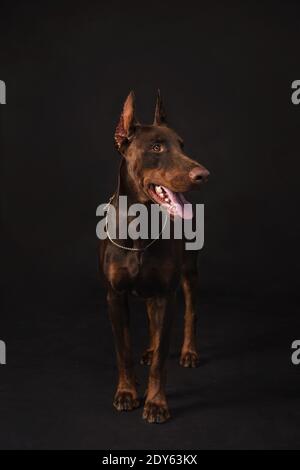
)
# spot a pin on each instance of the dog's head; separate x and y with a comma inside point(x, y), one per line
point(156, 160)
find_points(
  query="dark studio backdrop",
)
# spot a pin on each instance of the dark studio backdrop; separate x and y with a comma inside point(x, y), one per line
point(225, 71)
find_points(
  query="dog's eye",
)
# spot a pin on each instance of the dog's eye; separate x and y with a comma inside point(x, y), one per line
point(157, 148)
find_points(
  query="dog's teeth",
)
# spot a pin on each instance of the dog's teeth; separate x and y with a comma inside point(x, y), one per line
point(158, 189)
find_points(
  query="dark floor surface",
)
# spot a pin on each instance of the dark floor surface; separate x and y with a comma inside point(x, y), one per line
point(57, 386)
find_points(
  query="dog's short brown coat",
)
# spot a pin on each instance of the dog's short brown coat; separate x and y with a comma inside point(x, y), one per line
point(154, 273)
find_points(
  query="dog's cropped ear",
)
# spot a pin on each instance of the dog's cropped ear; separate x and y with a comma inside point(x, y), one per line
point(127, 122)
point(160, 118)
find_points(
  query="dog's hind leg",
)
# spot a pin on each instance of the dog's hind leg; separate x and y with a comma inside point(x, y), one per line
point(189, 356)
point(146, 358)
point(126, 398)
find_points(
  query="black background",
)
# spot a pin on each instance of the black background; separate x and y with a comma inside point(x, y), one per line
point(225, 71)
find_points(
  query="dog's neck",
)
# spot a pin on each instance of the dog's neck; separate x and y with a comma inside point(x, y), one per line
point(127, 186)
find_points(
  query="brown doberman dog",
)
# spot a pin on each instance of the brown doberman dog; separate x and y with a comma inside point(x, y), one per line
point(154, 169)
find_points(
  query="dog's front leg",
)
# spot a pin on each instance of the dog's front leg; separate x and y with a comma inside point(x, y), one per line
point(160, 310)
point(126, 395)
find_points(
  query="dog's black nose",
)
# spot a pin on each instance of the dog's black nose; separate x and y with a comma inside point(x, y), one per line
point(199, 174)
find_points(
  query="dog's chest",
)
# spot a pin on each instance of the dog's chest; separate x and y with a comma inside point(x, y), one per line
point(143, 274)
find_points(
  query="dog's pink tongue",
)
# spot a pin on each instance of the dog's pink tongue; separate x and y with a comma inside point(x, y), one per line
point(180, 205)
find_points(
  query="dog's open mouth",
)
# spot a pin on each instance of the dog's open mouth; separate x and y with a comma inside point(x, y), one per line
point(174, 203)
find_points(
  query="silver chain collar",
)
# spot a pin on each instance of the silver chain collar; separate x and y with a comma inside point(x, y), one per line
point(126, 247)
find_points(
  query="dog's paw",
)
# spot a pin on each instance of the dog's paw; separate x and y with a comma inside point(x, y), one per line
point(125, 401)
point(156, 413)
point(146, 358)
point(189, 359)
